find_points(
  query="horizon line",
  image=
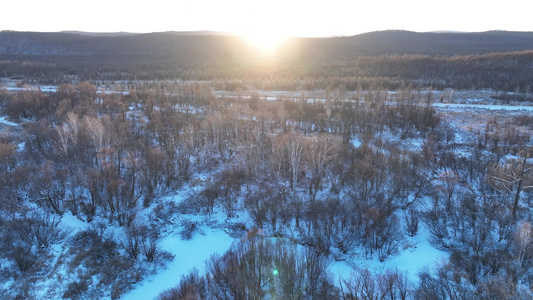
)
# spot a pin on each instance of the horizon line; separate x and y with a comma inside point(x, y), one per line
point(227, 33)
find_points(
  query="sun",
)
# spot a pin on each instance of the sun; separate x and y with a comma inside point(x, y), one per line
point(266, 43)
point(266, 40)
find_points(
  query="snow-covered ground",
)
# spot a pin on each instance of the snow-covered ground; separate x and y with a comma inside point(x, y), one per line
point(42, 88)
point(53, 89)
point(416, 254)
point(6, 122)
point(458, 106)
point(187, 256)
point(71, 225)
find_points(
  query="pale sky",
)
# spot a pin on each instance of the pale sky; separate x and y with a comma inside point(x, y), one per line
point(275, 17)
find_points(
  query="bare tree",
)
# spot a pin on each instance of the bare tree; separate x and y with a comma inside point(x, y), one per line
point(322, 149)
point(97, 133)
point(7, 157)
point(513, 177)
point(295, 145)
point(524, 240)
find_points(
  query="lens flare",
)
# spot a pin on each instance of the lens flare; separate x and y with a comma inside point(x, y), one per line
point(265, 42)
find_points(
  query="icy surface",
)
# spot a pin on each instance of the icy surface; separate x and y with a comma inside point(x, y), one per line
point(42, 88)
point(188, 255)
point(481, 106)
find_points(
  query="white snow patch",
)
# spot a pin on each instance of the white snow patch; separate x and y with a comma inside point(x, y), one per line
point(418, 254)
point(42, 88)
point(415, 144)
point(188, 255)
point(341, 270)
point(48, 88)
point(6, 122)
point(110, 92)
point(454, 106)
point(356, 142)
point(68, 220)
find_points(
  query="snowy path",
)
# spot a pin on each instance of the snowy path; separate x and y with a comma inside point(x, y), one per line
point(188, 255)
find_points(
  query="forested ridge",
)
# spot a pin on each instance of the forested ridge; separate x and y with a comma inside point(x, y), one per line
point(387, 59)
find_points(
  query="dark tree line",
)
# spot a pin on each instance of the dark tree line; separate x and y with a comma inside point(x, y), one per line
point(501, 71)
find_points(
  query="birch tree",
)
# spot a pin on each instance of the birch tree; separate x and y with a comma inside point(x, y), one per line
point(96, 132)
point(322, 149)
point(512, 177)
point(295, 145)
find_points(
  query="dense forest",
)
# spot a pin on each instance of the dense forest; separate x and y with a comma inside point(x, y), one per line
point(350, 165)
point(387, 59)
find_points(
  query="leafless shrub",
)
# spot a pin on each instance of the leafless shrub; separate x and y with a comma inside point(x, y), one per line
point(75, 290)
point(42, 230)
point(189, 229)
point(149, 248)
point(24, 258)
point(132, 240)
point(191, 287)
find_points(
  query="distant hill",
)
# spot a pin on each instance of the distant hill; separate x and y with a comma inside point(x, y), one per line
point(120, 33)
point(443, 43)
point(208, 45)
point(495, 59)
point(123, 33)
point(146, 46)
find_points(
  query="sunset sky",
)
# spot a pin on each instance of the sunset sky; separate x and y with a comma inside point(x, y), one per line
point(273, 17)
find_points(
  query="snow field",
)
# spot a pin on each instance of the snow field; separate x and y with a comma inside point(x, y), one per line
point(187, 256)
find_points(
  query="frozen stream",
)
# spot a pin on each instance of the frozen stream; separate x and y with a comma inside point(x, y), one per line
point(454, 106)
point(187, 255)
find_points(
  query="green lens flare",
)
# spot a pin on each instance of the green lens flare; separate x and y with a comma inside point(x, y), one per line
point(275, 272)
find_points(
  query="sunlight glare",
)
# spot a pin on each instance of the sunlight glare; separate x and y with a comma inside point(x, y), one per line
point(265, 41)
point(266, 37)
